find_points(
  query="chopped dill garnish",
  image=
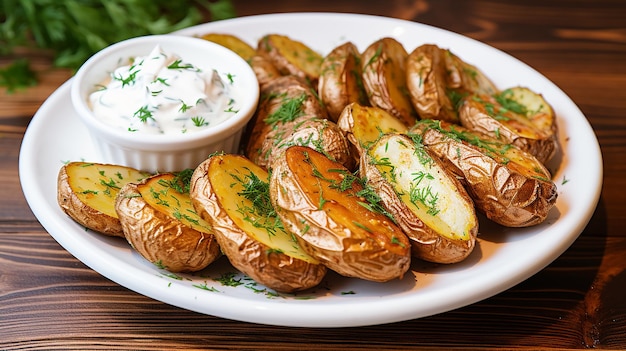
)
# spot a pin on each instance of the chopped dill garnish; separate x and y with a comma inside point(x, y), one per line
point(288, 111)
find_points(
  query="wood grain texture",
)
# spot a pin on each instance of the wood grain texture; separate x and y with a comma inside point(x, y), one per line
point(49, 300)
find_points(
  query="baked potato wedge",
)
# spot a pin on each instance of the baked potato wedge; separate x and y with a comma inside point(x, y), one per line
point(469, 77)
point(511, 187)
point(320, 134)
point(384, 79)
point(291, 57)
point(232, 42)
point(341, 81)
point(515, 116)
point(323, 204)
point(363, 125)
point(437, 79)
point(160, 223)
point(427, 81)
point(86, 192)
point(283, 101)
point(232, 193)
point(263, 68)
point(427, 201)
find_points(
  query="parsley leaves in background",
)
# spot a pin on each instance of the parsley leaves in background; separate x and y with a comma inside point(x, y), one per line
point(17, 75)
point(75, 29)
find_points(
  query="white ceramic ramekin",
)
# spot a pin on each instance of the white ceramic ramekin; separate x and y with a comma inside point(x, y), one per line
point(165, 152)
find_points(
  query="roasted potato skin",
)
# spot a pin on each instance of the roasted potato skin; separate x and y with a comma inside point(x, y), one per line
point(264, 70)
point(307, 125)
point(275, 270)
point(470, 78)
point(427, 83)
point(384, 78)
point(534, 132)
point(291, 57)
point(341, 81)
point(319, 134)
point(288, 87)
point(274, 97)
point(426, 242)
point(508, 193)
point(436, 79)
point(326, 220)
point(162, 239)
point(80, 210)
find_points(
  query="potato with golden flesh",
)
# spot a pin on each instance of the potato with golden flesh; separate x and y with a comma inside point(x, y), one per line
point(232, 193)
point(324, 205)
point(427, 201)
point(508, 185)
point(265, 71)
point(341, 81)
point(437, 79)
point(515, 116)
point(232, 42)
point(363, 125)
point(86, 192)
point(384, 78)
point(159, 221)
point(291, 57)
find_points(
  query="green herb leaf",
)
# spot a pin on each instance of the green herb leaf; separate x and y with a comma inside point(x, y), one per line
point(17, 76)
point(76, 29)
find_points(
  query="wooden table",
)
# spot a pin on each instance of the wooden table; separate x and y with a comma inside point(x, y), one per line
point(50, 300)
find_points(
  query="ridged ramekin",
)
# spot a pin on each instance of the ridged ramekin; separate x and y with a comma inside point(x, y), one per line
point(165, 152)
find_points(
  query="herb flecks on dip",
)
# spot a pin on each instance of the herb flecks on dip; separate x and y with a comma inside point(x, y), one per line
point(161, 93)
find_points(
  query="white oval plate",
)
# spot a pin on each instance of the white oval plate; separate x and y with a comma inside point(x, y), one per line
point(503, 257)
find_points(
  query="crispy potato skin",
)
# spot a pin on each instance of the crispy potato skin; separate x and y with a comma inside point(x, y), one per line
point(319, 134)
point(331, 224)
point(275, 270)
point(83, 214)
point(341, 81)
point(470, 78)
point(427, 242)
point(432, 73)
point(160, 238)
point(291, 57)
point(510, 194)
point(427, 83)
point(306, 126)
point(264, 70)
point(536, 134)
point(274, 96)
point(81, 208)
point(384, 78)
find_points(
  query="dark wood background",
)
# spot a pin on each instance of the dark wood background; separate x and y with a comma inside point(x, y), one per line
point(50, 300)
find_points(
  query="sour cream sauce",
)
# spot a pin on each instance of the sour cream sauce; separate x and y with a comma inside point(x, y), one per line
point(162, 94)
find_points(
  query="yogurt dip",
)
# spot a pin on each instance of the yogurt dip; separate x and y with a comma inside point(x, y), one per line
point(161, 93)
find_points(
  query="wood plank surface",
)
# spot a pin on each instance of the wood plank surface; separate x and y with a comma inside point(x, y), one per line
point(49, 300)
